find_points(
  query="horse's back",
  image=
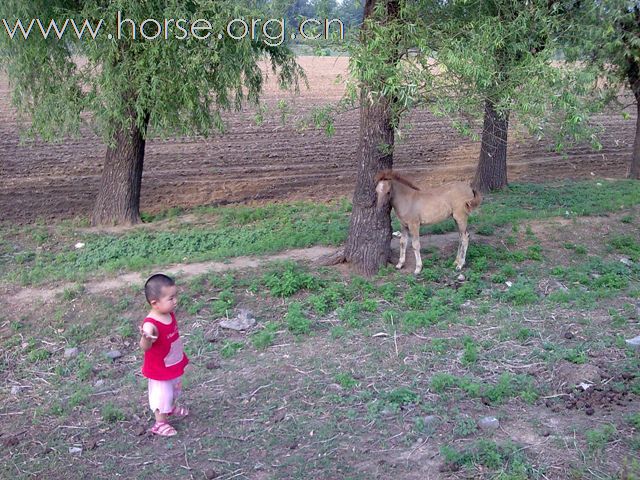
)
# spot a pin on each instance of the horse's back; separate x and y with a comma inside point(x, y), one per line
point(458, 195)
point(453, 191)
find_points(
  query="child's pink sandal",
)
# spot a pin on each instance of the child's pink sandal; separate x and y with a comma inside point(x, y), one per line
point(163, 429)
point(179, 412)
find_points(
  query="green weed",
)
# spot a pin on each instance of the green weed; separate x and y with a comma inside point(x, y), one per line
point(287, 279)
point(229, 348)
point(112, 414)
point(265, 337)
point(297, 321)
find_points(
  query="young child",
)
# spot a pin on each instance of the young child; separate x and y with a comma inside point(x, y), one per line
point(164, 359)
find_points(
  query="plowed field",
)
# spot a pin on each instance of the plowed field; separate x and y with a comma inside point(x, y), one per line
point(270, 161)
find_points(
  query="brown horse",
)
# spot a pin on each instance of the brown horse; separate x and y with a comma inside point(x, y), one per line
point(415, 207)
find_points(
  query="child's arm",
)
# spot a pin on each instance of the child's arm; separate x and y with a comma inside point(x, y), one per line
point(149, 334)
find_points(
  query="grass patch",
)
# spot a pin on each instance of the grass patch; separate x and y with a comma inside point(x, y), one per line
point(508, 386)
point(265, 337)
point(287, 278)
point(32, 255)
point(273, 229)
point(507, 459)
point(297, 322)
point(112, 414)
point(229, 349)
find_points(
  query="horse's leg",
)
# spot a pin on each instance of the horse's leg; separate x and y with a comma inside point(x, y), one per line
point(414, 229)
point(461, 221)
point(404, 237)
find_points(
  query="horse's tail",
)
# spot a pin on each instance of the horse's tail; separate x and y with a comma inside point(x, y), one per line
point(475, 201)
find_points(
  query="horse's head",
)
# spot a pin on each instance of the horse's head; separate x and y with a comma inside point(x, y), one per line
point(383, 192)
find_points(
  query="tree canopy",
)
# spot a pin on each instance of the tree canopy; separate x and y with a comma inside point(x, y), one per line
point(182, 84)
point(165, 66)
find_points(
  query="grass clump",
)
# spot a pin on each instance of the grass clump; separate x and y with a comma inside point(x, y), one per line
point(112, 414)
point(506, 458)
point(288, 278)
point(297, 322)
point(229, 349)
point(265, 337)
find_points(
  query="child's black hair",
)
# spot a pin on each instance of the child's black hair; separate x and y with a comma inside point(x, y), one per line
point(155, 283)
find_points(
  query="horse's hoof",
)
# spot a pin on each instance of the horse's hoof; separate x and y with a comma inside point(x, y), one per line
point(458, 268)
point(417, 272)
point(399, 266)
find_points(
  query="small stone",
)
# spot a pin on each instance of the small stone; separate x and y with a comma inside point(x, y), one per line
point(508, 284)
point(628, 262)
point(634, 342)
point(212, 365)
point(589, 411)
point(430, 420)
point(449, 467)
point(210, 473)
point(71, 352)
point(91, 444)
point(75, 450)
point(15, 390)
point(99, 383)
point(461, 278)
point(560, 286)
point(79, 245)
point(139, 430)
point(212, 336)
point(488, 424)
point(10, 442)
point(568, 335)
point(278, 416)
point(243, 321)
point(114, 354)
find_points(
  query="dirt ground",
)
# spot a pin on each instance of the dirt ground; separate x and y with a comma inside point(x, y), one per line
point(271, 161)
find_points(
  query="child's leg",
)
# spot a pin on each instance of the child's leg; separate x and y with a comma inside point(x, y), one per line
point(161, 403)
point(178, 411)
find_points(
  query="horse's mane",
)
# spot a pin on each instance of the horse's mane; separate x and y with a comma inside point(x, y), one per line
point(391, 175)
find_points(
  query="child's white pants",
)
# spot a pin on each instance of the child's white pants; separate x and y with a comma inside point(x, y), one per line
point(163, 394)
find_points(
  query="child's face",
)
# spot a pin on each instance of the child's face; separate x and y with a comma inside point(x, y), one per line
point(168, 300)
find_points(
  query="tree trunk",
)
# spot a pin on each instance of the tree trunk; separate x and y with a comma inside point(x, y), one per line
point(491, 173)
point(634, 164)
point(368, 245)
point(633, 75)
point(118, 201)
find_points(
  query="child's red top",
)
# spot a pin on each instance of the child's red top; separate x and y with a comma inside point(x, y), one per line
point(165, 360)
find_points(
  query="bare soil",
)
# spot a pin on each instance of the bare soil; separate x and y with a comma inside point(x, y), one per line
point(270, 161)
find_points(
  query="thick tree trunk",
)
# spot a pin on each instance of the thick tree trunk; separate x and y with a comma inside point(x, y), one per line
point(634, 164)
point(633, 76)
point(368, 245)
point(118, 201)
point(491, 173)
